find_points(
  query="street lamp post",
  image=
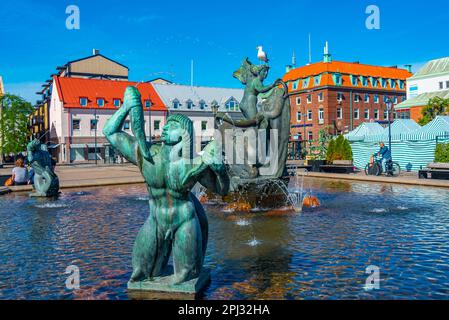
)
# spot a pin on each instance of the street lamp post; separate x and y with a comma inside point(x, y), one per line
point(389, 109)
point(96, 124)
point(214, 108)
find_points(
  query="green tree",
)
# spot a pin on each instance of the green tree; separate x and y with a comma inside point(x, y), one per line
point(13, 123)
point(320, 150)
point(435, 107)
point(442, 152)
point(339, 149)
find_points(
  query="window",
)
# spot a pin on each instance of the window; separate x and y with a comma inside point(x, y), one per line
point(385, 115)
point(203, 125)
point(339, 97)
point(232, 105)
point(337, 79)
point(317, 80)
point(148, 103)
point(189, 104)
point(295, 85)
point(447, 84)
point(366, 99)
point(320, 97)
point(376, 114)
point(356, 98)
point(366, 114)
point(386, 99)
point(309, 98)
point(157, 124)
point(383, 83)
point(354, 80)
point(339, 113)
point(376, 98)
point(321, 115)
point(374, 82)
point(202, 105)
point(392, 83)
point(83, 102)
point(395, 100)
point(100, 102)
point(298, 116)
point(364, 81)
point(310, 135)
point(298, 101)
point(305, 83)
point(93, 124)
point(117, 103)
point(356, 114)
point(309, 115)
point(401, 84)
point(441, 86)
point(176, 104)
point(76, 124)
point(126, 125)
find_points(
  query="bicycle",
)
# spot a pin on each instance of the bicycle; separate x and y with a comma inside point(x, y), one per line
point(375, 168)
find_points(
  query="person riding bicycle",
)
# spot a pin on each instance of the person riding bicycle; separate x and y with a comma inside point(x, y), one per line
point(385, 153)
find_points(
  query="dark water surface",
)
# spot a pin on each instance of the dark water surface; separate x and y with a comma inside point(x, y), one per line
point(322, 253)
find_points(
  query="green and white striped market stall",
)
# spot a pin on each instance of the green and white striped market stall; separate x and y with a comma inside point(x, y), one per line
point(412, 146)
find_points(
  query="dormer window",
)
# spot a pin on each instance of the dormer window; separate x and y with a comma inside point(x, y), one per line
point(202, 105)
point(354, 80)
point(374, 82)
point(176, 104)
point(117, 103)
point(100, 102)
point(401, 84)
point(148, 103)
point(189, 104)
point(337, 79)
point(383, 83)
point(317, 80)
point(364, 81)
point(305, 83)
point(392, 83)
point(232, 104)
point(83, 102)
point(295, 85)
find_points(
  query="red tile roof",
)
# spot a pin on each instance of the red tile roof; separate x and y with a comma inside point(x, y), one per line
point(345, 69)
point(72, 89)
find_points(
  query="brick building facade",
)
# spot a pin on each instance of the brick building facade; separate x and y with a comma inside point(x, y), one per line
point(339, 96)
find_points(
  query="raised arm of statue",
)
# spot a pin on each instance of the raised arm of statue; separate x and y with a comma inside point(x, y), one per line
point(122, 141)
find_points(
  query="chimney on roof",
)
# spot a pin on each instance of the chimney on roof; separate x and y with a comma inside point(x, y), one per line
point(95, 52)
point(327, 55)
point(408, 67)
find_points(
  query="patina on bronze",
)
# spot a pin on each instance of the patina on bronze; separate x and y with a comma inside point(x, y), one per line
point(46, 182)
point(177, 222)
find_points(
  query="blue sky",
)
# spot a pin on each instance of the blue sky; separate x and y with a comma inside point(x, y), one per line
point(160, 38)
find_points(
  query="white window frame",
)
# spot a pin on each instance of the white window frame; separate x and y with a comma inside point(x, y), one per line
point(298, 101)
point(356, 97)
point(339, 96)
point(119, 103)
point(365, 114)
point(79, 125)
point(364, 98)
point(376, 114)
point(357, 111)
point(309, 98)
point(309, 115)
point(87, 102)
point(100, 99)
point(321, 115)
point(339, 113)
point(320, 97)
point(298, 116)
point(376, 98)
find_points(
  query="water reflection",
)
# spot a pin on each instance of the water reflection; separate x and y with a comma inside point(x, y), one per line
point(322, 253)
